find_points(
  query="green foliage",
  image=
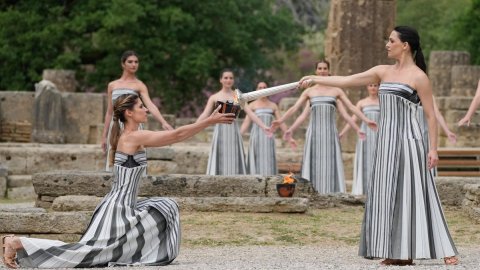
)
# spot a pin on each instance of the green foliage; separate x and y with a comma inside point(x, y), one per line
point(469, 30)
point(440, 23)
point(182, 44)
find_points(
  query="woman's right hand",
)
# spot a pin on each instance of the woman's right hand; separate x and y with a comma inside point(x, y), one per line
point(220, 118)
point(463, 121)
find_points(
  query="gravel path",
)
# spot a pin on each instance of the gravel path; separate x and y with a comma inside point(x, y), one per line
point(296, 257)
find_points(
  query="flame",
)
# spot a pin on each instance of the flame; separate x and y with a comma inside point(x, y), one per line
point(288, 179)
point(235, 98)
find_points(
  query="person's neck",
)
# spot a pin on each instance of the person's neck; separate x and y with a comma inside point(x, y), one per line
point(405, 61)
point(130, 127)
point(226, 90)
point(128, 77)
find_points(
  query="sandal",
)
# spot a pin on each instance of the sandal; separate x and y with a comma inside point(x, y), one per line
point(8, 257)
point(397, 262)
point(453, 260)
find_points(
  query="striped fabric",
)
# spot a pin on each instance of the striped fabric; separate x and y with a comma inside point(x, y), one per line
point(226, 153)
point(261, 151)
point(362, 167)
point(322, 156)
point(122, 231)
point(403, 215)
point(426, 140)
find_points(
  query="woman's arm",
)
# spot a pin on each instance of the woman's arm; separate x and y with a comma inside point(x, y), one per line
point(208, 108)
point(354, 118)
point(287, 135)
point(108, 117)
point(152, 108)
point(452, 137)
point(245, 125)
point(300, 102)
point(350, 121)
point(257, 120)
point(360, 79)
point(473, 107)
point(149, 138)
point(424, 90)
point(343, 97)
point(284, 128)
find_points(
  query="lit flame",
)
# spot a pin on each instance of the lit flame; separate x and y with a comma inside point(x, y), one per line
point(235, 98)
point(288, 179)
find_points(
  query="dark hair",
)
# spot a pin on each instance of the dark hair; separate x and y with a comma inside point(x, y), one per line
point(122, 103)
point(410, 35)
point(322, 61)
point(127, 54)
point(225, 70)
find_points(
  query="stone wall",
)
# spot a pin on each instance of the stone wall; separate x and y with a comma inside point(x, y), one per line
point(16, 116)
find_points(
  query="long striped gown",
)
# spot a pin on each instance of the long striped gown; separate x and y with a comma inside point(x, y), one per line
point(122, 231)
point(322, 157)
point(403, 215)
point(226, 153)
point(362, 168)
point(261, 157)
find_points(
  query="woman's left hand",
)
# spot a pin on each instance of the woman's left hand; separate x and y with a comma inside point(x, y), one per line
point(372, 124)
point(432, 159)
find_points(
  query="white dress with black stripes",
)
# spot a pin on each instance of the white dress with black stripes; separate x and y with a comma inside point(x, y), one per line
point(403, 215)
point(322, 157)
point(261, 157)
point(122, 231)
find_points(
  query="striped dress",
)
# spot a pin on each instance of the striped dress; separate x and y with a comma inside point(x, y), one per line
point(403, 215)
point(122, 231)
point(322, 156)
point(226, 153)
point(362, 167)
point(424, 126)
point(261, 151)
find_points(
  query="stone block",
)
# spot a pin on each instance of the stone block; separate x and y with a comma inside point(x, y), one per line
point(20, 181)
point(48, 115)
point(243, 204)
point(44, 223)
point(160, 153)
point(81, 111)
point(3, 187)
point(450, 189)
point(458, 103)
point(440, 68)
point(159, 167)
point(16, 106)
point(464, 80)
point(75, 203)
point(21, 193)
point(63, 79)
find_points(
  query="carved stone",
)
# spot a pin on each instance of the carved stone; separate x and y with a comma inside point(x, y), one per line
point(63, 79)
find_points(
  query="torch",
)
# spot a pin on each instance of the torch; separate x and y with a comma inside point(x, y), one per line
point(241, 98)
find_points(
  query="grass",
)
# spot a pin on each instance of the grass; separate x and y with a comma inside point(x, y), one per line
point(333, 226)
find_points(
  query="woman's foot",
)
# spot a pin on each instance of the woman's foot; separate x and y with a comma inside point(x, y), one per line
point(8, 251)
point(453, 260)
point(396, 262)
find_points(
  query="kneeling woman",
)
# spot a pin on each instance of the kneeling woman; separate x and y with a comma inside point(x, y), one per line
point(123, 231)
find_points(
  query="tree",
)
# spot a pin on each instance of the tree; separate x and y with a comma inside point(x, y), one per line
point(182, 44)
point(469, 30)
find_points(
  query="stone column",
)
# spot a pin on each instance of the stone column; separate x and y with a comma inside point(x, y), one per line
point(62, 78)
point(3, 181)
point(355, 41)
point(47, 114)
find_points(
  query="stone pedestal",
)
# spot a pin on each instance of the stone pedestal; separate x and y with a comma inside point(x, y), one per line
point(48, 118)
point(62, 78)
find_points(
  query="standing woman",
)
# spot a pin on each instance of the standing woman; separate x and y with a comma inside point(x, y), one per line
point(261, 158)
point(322, 157)
point(226, 153)
point(362, 168)
point(123, 231)
point(128, 83)
point(403, 218)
